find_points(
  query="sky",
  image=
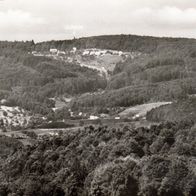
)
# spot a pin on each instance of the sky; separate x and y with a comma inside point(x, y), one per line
point(42, 20)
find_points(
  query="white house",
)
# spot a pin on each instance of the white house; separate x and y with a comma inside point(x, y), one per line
point(120, 53)
point(61, 52)
point(74, 50)
point(97, 53)
point(86, 52)
point(53, 50)
point(94, 117)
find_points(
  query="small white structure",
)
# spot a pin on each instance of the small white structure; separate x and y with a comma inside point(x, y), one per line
point(117, 118)
point(114, 52)
point(53, 50)
point(136, 116)
point(93, 117)
point(3, 101)
point(103, 52)
point(92, 53)
point(120, 53)
point(67, 99)
point(97, 53)
point(86, 52)
point(60, 52)
point(104, 115)
point(74, 50)
point(44, 118)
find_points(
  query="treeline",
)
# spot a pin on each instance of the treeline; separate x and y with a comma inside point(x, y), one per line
point(15, 51)
point(144, 44)
point(134, 95)
point(156, 161)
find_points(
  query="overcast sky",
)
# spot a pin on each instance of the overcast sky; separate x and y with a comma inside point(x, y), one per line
point(63, 19)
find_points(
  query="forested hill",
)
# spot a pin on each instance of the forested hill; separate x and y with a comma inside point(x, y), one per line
point(114, 42)
point(164, 70)
point(145, 44)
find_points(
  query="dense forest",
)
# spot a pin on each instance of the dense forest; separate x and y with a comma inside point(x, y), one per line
point(102, 161)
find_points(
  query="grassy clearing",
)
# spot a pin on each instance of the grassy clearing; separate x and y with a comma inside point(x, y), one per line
point(141, 110)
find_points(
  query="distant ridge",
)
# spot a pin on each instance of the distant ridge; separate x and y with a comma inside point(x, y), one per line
point(116, 42)
point(104, 35)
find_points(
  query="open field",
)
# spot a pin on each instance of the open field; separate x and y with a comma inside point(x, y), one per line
point(141, 110)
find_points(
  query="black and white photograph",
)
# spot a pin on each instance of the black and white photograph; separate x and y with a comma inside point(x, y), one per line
point(97, 97)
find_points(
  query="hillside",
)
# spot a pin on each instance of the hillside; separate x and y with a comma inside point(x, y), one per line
point(183, 110)
point(127, 69)
point(159, 161)
point(140, 111)
point(30, 81)
point(117, 83)
point(164, 73)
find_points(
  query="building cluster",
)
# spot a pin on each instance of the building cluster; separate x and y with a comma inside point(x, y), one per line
point(84, 52)
point(51, 52)
point(99, 52)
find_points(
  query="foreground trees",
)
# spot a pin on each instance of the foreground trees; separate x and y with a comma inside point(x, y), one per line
point(103, 161)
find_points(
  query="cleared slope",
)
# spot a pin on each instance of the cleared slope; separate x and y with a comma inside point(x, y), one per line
point(141, 110)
